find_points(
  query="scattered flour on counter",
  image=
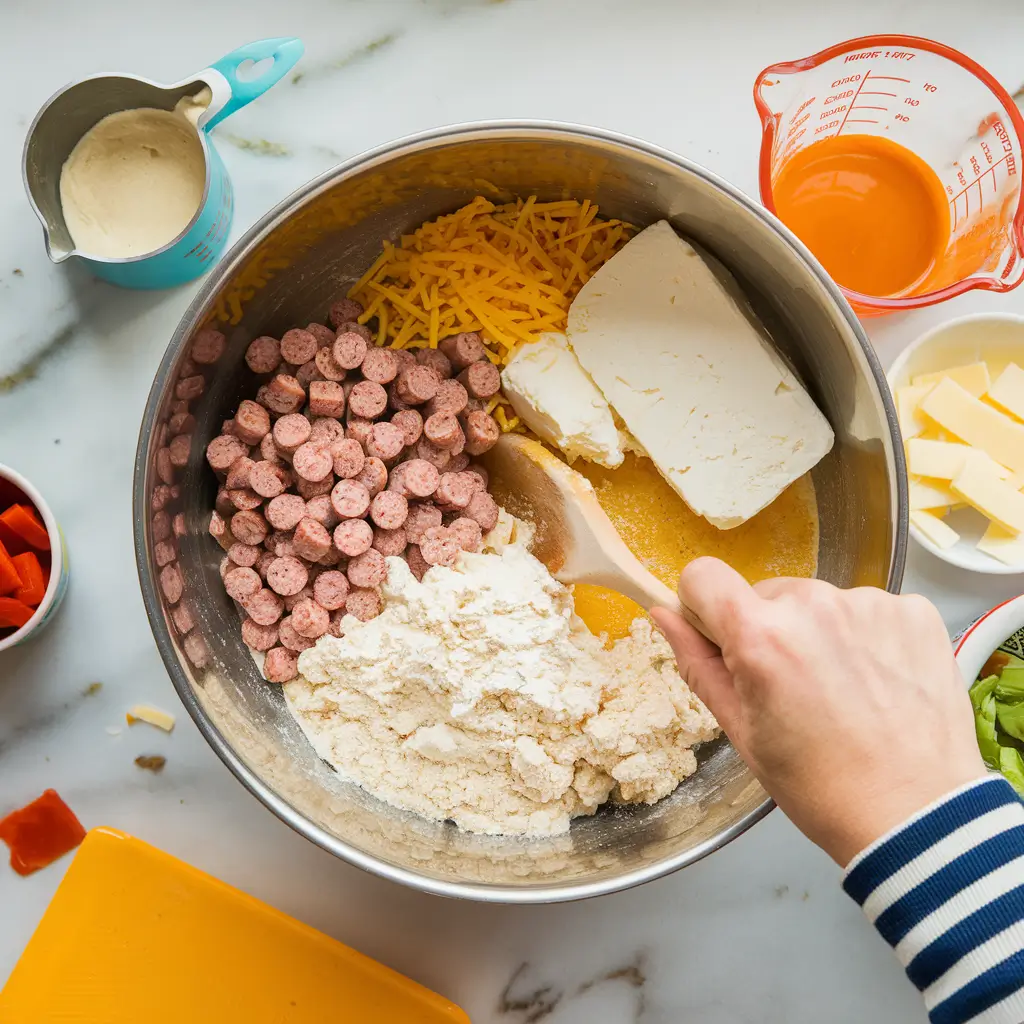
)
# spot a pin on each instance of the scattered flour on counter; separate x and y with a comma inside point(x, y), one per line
point(478, 696)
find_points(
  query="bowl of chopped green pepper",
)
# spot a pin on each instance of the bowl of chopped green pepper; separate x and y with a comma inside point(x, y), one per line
point(991, 653)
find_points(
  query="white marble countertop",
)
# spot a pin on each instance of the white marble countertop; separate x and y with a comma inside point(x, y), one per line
point(758, 932)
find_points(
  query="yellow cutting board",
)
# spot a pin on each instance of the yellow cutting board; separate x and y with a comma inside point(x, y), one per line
point(134, 935)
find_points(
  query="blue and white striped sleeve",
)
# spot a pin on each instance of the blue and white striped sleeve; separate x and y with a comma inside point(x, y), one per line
point(946, 891)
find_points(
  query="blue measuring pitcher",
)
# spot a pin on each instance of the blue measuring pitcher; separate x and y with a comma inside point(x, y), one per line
point(76, 108)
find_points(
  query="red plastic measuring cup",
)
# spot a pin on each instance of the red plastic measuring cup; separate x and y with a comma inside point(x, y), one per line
point(938, 103)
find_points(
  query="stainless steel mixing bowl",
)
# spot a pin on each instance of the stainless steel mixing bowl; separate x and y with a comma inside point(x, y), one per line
point(287, 270)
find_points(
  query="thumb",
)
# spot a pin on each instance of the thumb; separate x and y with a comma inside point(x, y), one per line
point(701, 666)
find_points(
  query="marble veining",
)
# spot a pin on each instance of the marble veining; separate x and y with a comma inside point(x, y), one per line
point(759, 933)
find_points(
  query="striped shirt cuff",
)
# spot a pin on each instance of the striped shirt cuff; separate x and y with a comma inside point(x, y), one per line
point(946, 891)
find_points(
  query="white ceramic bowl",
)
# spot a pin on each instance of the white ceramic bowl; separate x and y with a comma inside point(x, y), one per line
point(977, 643)
point(994, 338)
point(58, 585)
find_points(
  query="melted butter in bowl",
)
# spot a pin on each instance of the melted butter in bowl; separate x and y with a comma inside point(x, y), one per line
point(661, 530)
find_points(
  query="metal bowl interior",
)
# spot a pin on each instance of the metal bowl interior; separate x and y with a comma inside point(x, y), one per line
point(287, 270)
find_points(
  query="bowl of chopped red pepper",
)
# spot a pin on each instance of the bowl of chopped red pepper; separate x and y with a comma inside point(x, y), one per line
point(33, 561)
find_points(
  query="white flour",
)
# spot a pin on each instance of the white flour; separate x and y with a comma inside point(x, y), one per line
point(478, 696)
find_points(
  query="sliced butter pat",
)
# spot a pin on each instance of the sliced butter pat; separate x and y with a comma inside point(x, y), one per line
point(973, 377)
point(151, 715)
point(555, 397)
point(723, 418)
point(939, 533)
point(1002, 544)
point(940, 459)
point(908, 409)
point(980, 484)
point(977, 423)
point(930, 495)
point(1008, 390)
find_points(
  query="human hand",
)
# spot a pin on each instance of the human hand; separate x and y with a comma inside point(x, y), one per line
point(846, 704)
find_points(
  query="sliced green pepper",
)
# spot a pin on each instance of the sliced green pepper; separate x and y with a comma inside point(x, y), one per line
point(981, 689)
point(1012, 766)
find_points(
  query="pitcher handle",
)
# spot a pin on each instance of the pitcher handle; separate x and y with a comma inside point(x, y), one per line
point(285, 52)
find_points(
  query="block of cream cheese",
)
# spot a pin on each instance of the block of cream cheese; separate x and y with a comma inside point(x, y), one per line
point(555, 397)
point(722, 416)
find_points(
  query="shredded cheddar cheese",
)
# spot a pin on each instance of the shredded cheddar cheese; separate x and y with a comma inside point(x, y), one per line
point(508, 272)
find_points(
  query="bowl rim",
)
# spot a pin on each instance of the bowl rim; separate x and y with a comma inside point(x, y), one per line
point(950, 555)
point(974, 645)
point(464, 131)
point(56, 558)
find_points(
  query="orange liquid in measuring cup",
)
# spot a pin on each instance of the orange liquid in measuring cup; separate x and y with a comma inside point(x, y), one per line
point(874, 213)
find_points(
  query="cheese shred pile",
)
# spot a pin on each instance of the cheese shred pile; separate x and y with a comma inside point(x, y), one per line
point(508, 272)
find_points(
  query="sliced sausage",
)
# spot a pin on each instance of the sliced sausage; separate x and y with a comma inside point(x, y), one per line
point(185, 423)
point(257, 637)
point(467, 532)
point(238, 474)
point(327, 430)
point(263, 563)
point(263, 354)
point(419, 478)
point(368, 569)
point(389, 510)
point(284, 394)
point(455, 490)
point(367, 400)
point(311, 539)
point(354, 327)
point(380, 365)
point(482, 432)
point(436, 360)
point(290, 431)
point(324, 335)
point(321, 509)
point(242, 583)
point(423, 516)
point(458, 463)
point(405, 358)
point(264, 607)
point(463, 349)
point(268, 480)
point(410, 422)
point(481, 380)
point(243, 554)
point(427, 451)
point(188, 389)
point(326, 398)
point(310, 619)
point(439, 546)
point(344, 310)
point(279, 543)
point(451, 397)
point(312, 461)
point(180, 448)
point(280, 665)
point(350, 499)
point(484, 509)
point(390, 542)
point(358, 429)
point(363, 604)
point(270, 452)
point(252, 422)
point(293, 599)
point(443, 430)
point(245, 499)
point(291, 638)
point(298, 346)
point(249, 527)
point(287, 575)
point(353, 537)
point(329, 367)
point(348, 458)
point(314, 488)
point(171, 583)
point(307, 373)
point(330, 589)
point(349, 349)
point(417, 384)
point(223, 450)
point(418, 565)
point(480, 473)
point(386, 441)
point(207, 347)
point(373, 476)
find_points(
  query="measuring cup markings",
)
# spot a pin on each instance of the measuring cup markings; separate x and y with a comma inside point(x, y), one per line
point(861, 87)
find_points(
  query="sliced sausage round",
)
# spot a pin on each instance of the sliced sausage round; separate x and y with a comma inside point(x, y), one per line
point(417, 384)
point(324, 335)
point(188, 389)
point(463, 349)
point(287, 575)
point(185, 423)
point(380, 365)
point(363, 604)
point(310, 619)
point(311, 539)
point(164, 467)
point(348, 458)
point(326, 398)
point(244, 499)
point(252, 422)
point(264, 607)
point(160, 525)
point(307, 373)
point(344, 310)
point(367, 400)
point(314, 488)
point(207, 347)
point(223, 450)
point(291, 638)
point(373, 476)
point(180, 448)
point(263, 354)
point(321, 509)
point(348, 350)
point(368, 569)
point(423, 516)
point(386, 441)
point(354, 327)
point(268, 480)
point(410, 422)
point(389, 510)
point(358, 429)
point(429, 452)
point(484, 509)
point(298, 346)
point(328, 366)
point(280, 665)
point(290, 431)
point(481, 380)
point(257, 637)
point(330, 589)
point(419, 478)
point(249, 527)
point(418, 565)
point(327, 430)
point(242, 583)
point(436, 360)
point(467, 532)
point(353, 537)
point(482, 432)
point(282, 395)
point(455, 490)
point(243, 554)
point(390, 542)
point(443, 430)
point(312, 461)
point(439, 546)
point(350, 499)
point(451, 397)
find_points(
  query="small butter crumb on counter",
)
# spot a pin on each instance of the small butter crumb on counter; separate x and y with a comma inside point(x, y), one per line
point(151, 762)
point(151, 715)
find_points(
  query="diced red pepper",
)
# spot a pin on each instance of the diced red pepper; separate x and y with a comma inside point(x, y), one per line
point(10, 580)
point(33, 578)
point(40, 833)
point(14, 612)
point(23, 521)
point(11, 541)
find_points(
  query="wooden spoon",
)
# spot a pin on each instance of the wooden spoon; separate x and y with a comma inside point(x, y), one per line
point(574, 538)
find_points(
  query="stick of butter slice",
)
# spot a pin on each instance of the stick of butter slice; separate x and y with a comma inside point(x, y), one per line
point(722, 416)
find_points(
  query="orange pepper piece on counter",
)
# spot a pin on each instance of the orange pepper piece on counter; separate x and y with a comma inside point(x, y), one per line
point(23, 521)
point(40, 833)
point(14, 612)
point(10, 580)
point(33, 578)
